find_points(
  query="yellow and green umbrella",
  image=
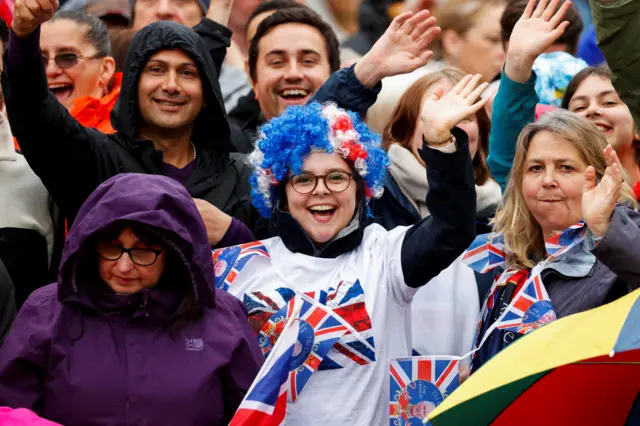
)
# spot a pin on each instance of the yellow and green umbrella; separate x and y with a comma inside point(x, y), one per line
point(583, 369)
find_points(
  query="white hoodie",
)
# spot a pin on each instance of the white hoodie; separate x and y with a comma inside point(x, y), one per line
point(24, 201)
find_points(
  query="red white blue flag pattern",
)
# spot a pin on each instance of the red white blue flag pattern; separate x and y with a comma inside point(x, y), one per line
point(308, 333)
point(229, 262)
point(530, 309)
point(419, 385)
point(485, 253)
point(266, 401)
point(346, 301)
point(518, 301)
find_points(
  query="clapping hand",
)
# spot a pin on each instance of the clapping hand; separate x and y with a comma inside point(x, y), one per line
point(29, 14)
point(599, 200)
point(441, 113)
point(533, 34)
point(402, 48)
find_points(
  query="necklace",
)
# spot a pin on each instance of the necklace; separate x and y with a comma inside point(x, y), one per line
point(194, 150)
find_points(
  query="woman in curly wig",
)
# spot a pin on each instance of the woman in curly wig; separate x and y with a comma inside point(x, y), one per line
point(315, 169)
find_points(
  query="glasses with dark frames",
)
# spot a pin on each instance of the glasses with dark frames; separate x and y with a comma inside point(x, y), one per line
point(305, 183)
point(139, 256)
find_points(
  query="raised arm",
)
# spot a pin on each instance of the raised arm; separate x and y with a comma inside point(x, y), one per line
point(402, 49)
point(515, 103)
point(435, 242)
point(66, 156)
point(213, 30)
point(617, 31)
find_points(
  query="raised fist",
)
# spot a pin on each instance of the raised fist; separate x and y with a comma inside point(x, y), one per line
point(28, 14)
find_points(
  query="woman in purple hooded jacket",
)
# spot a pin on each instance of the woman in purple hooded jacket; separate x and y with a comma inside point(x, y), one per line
point(133, 332)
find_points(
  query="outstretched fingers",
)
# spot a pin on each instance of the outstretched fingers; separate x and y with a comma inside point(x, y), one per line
point(428, 37)
point(542, 5)
point(470, 86)
point(550, 10)
point(413, 21)
point(528, 11)
point(458, 88)
point(399, 20)
point(476, 94)
point(559, 15)
point(422, 27)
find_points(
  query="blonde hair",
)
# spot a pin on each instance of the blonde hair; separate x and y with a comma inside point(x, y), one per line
point(459, 16)
point(523, 235)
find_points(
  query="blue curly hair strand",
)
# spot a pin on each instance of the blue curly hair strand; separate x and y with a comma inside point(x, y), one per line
point(286, 141)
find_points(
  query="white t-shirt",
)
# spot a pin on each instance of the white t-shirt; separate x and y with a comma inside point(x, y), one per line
point(365, 286)
point(444, 313)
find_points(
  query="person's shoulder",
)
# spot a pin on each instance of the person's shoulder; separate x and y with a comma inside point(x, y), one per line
point(43, 303)
point(43, 295)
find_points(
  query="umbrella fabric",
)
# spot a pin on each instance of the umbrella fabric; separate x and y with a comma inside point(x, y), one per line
point(561, 374)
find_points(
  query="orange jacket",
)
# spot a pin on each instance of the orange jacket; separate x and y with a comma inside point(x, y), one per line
point(96, 113)
point(92, 112)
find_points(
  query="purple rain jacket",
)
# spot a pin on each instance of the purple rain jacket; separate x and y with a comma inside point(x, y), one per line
point(78, 356)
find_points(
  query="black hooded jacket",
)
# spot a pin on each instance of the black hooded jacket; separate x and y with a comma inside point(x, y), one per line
point(72, 160)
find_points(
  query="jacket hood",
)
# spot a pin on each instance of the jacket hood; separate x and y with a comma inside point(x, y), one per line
point(157, 202)
point(211, 129)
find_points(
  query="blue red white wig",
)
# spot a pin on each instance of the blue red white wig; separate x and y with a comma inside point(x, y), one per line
point(286, 141)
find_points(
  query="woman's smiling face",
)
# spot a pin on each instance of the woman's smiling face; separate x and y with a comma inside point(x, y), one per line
point(323, 213)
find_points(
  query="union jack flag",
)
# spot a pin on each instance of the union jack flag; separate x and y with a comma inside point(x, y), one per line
point(485, 253)
point(346, 301)
point(419, 385)
point(229, 262)
point(326, 328)
point(530, 309)
point(266, 401)
point(561, 243)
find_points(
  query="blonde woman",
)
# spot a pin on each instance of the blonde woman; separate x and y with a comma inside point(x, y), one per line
point(564, 172)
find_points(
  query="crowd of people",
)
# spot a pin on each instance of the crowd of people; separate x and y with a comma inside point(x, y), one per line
point(173, 173)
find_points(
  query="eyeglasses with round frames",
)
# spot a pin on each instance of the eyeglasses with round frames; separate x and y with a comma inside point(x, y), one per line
point(139, 256)
point(305, 183)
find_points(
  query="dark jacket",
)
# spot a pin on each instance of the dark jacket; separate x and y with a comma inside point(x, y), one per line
point(247, 116)
point(440, 238)
point(79, 354)
point(72, 160)
point(394, 209)
point(373, 21)
point(613, 273)
point(7, 302)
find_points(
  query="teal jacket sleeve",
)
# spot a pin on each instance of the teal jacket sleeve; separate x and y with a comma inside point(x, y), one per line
point(617, 31)
point(513, 108)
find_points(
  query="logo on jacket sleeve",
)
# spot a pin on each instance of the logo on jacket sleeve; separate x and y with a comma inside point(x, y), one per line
point(194, 344)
